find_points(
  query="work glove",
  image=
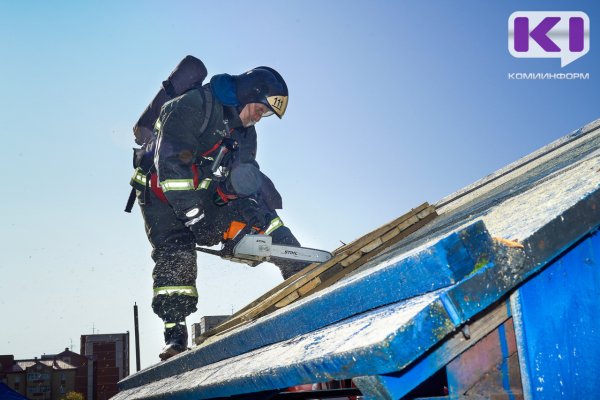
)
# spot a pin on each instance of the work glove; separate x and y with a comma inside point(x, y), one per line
point(252, 213)
point(204, 233)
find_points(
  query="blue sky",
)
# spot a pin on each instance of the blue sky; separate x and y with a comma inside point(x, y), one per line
point(392, 103)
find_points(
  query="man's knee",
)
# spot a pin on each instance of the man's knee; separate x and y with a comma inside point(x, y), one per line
point(283, 235)
point(174, 303)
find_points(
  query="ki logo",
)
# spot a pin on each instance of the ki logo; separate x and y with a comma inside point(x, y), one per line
point(549, 34)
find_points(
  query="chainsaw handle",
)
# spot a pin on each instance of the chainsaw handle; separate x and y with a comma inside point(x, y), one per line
point(210, 251)
point(228, 245)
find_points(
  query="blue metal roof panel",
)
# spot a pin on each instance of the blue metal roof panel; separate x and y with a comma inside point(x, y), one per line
point(363, 344)
point(431, 267)
point(546, 207)
point(383, 340)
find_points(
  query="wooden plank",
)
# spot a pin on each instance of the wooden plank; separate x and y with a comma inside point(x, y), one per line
point(340, 273)
point(296, 278)
point(371, 246)
point(409, 230)
point(311, 278)
point(309, 286)
point(267, 303)
point(358, 243)
point(277, 288)
point(298, 293)
point(332, 274)
point(412, 220)
point(288, 299)
point(390, 234)
point(286, 283)
point(404, 233)
point(350, 259)
point(275, 295)
point(425, 212)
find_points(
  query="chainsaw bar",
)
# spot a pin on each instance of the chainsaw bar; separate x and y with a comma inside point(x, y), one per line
point(261, 248)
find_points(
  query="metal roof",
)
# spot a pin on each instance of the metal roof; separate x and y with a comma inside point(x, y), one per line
point(398, 306)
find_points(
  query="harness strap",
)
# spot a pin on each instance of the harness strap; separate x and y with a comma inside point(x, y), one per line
point(209, 108)
point(130, 201)
point(215, 147)
point(196, 177)
point(156, 189)
point(224, 196)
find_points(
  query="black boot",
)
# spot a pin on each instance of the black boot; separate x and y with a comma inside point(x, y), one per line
point(176, 338)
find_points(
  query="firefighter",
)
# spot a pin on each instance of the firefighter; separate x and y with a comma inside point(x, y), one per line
point(204, 134)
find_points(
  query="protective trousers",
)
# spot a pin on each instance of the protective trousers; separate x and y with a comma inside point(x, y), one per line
point(174, 254)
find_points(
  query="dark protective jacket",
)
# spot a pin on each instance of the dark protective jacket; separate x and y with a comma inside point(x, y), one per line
point(189, 130)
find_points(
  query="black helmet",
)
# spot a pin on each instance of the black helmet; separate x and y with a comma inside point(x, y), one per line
point(262, 85)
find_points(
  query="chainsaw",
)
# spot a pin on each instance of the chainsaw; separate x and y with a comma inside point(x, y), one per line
point(252, 249)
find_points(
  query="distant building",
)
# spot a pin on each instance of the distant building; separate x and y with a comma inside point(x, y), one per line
point(104, 360)
point(206, 323)
point(6, 362)
point(110, 354)
point(47, 378)
point(83, 366)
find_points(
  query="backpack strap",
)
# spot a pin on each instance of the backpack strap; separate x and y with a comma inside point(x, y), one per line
point(130, 201)
point(208, 106)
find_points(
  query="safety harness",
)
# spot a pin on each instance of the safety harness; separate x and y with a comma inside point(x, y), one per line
point(142, 180)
